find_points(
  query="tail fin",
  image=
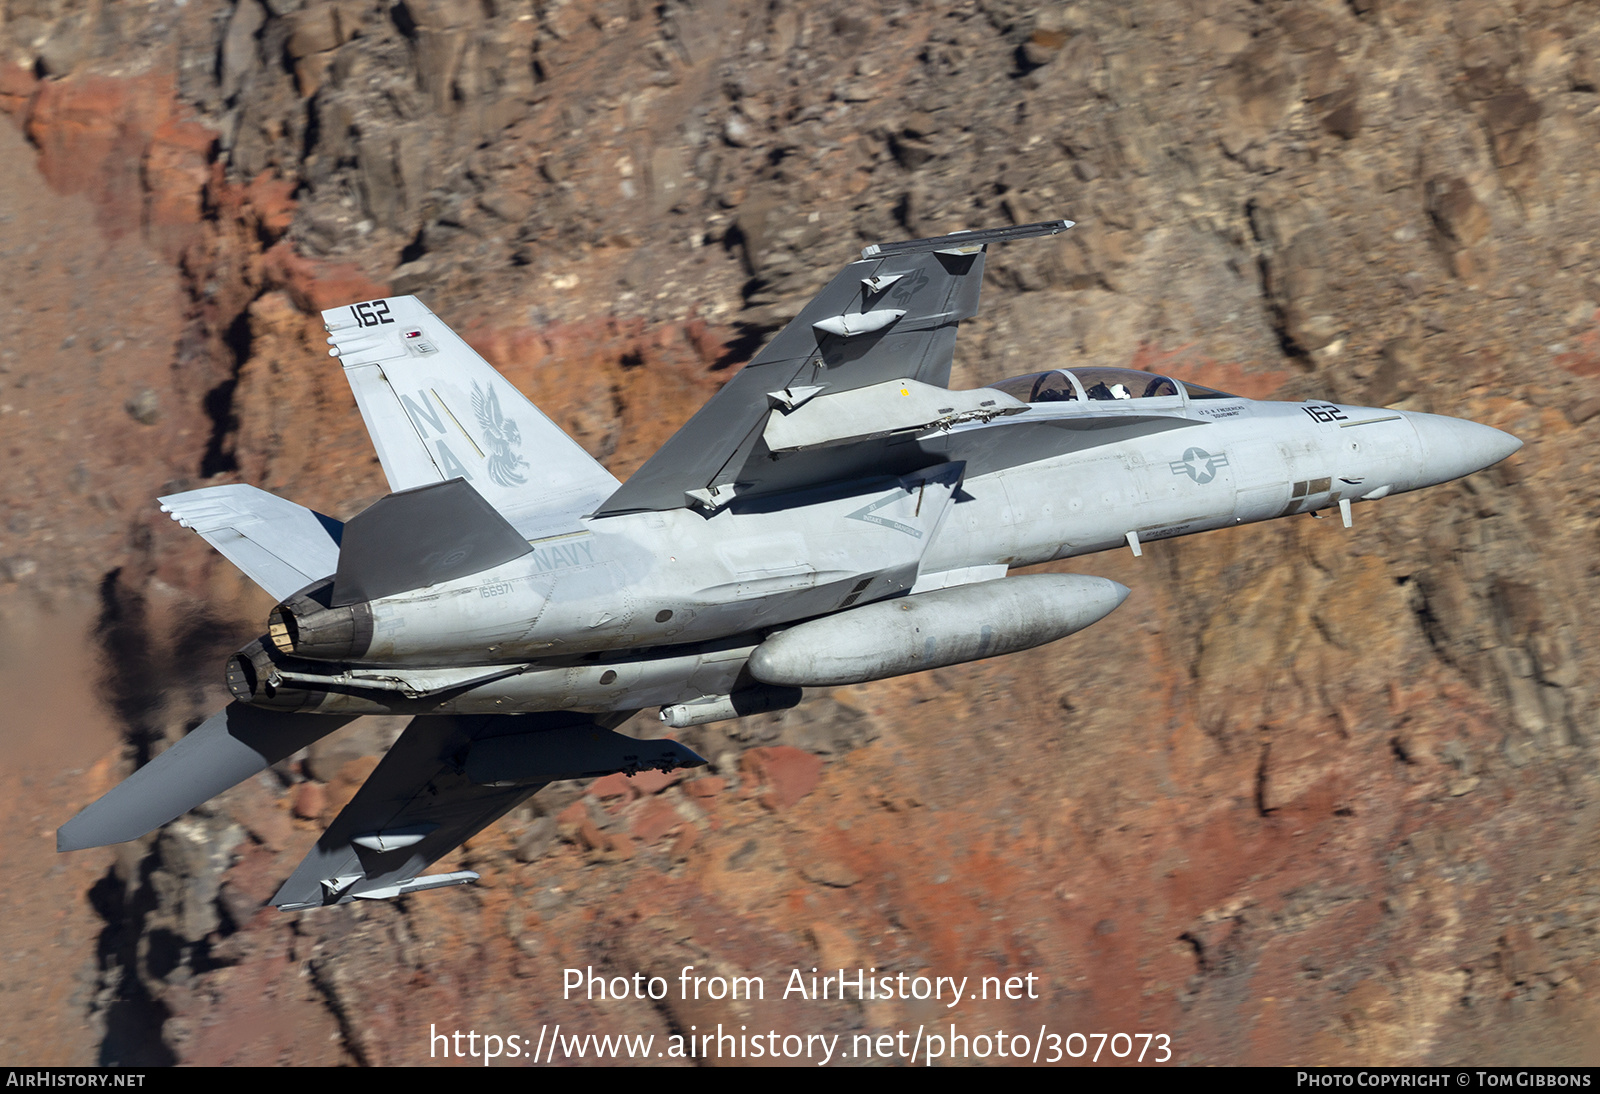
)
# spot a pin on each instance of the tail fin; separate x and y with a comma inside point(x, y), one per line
point(438, 411)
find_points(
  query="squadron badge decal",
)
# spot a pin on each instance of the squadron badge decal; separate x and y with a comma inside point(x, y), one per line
point(501, 437)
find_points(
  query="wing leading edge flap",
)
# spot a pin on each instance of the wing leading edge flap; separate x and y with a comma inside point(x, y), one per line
point(1004, 441)
point(424, 799)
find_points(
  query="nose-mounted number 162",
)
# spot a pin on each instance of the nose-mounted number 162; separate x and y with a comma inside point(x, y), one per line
point(1324, 413)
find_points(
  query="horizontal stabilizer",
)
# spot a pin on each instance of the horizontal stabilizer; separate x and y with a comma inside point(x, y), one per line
point(224, 750)
point(279, 545)
point(1007, 441)
point(422, 537)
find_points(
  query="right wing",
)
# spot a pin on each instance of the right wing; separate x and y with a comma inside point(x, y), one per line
point(438, 411)
point(890, 316)
point(445, 780)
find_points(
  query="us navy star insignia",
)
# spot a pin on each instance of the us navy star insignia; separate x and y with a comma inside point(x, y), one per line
point(1199, 465)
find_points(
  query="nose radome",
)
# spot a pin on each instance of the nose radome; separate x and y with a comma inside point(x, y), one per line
point(1453, 447)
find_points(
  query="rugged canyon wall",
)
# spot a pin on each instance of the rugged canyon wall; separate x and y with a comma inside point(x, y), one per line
point(1309, 795)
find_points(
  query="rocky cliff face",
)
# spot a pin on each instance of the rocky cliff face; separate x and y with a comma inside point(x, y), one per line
point(1310, 795)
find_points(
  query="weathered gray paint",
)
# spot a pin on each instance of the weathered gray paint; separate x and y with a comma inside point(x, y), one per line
point(772, 543)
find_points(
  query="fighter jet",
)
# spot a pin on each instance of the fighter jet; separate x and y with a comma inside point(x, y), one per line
point(835, 514)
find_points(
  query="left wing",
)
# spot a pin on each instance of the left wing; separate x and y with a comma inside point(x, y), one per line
point(890, 316)
point(444, 781)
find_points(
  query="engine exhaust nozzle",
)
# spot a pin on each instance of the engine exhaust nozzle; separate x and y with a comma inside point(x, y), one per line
point(307, 625)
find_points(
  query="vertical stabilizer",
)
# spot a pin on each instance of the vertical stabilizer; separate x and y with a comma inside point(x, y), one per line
point(438, 411)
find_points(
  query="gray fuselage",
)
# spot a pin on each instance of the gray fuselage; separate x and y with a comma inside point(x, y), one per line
point(664, 607)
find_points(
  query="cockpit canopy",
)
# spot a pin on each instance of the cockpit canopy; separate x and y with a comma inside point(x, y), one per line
point(1058, 386)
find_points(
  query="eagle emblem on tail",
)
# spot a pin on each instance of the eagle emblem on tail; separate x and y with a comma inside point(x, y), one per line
point(501, 437)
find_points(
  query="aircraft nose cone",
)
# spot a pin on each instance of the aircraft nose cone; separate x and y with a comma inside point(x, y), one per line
point(1453, 447)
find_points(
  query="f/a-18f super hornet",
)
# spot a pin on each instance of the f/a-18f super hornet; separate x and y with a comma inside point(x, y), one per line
point(835, 514)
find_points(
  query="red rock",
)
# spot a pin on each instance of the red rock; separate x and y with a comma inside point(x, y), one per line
point(602, 846)
point(787, 773)
point(686, 839)
point(590, 837)
point(654, 782)
point(309, 800)
point(93, 134)
point(1254, 382)
point(273, 201)
point(1584, 358)
point(262, 814)
point(315, 286)
point(17, 84)
point(615, 785)
point(708, 787)
point(256, 875)
point(1132, 807)
point(831, 872)
point(571, 819)
point(654, 820)
point(176, 170)
point(352, 775)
